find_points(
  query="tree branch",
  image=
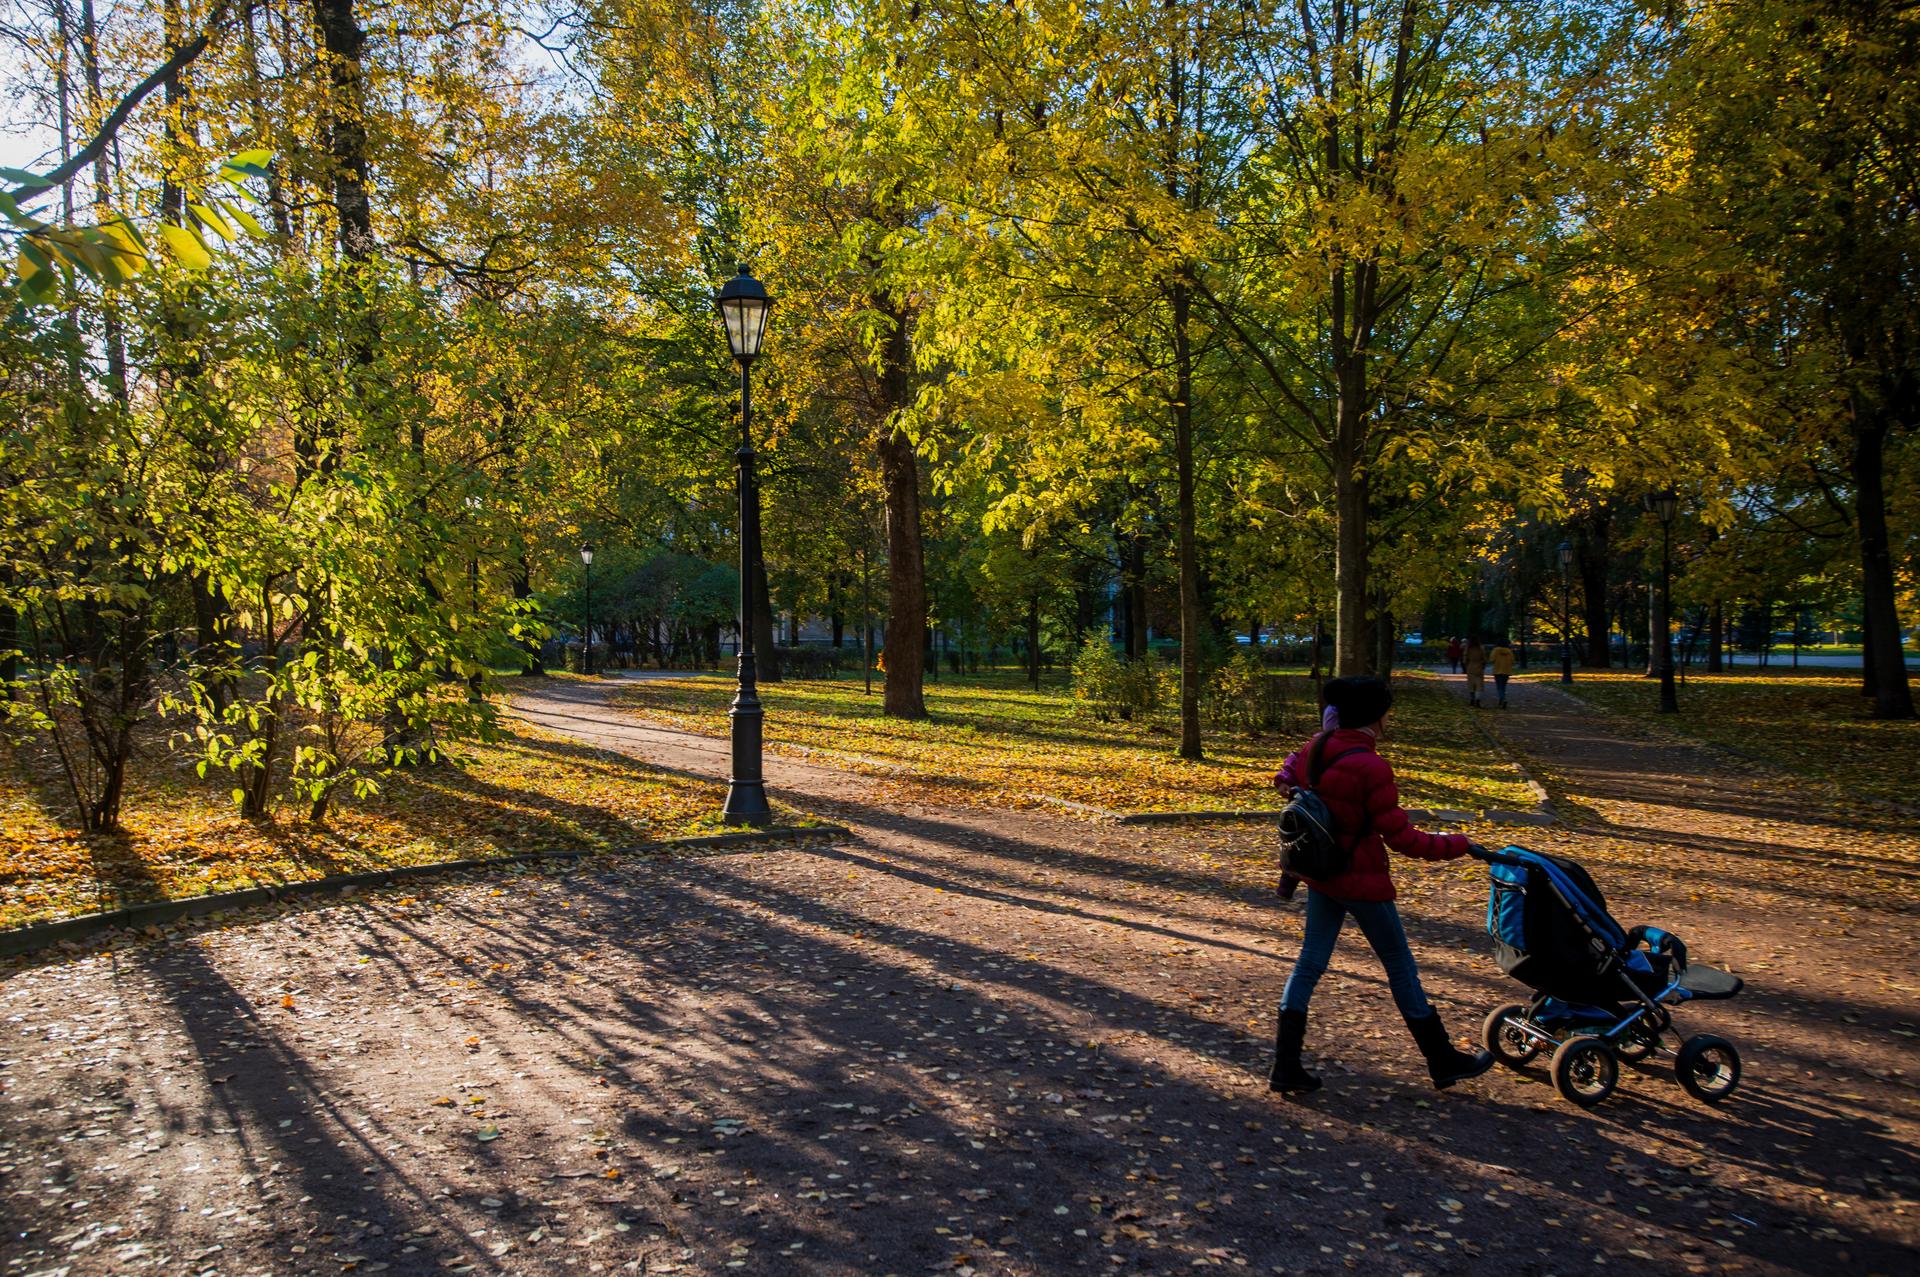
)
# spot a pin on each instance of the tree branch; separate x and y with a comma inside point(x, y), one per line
point(110, 127)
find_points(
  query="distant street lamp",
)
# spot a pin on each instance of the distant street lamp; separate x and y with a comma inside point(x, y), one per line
point(743, 304)
point(1566, 615)
point(1665, 504)
point(586, 632)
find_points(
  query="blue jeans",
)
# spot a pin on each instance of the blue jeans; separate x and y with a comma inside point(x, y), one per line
point(1500, 685)
point(1380, 923)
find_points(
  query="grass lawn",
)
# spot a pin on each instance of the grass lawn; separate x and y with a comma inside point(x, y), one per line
point(1815, 725)
point(992, 741)
point(528, 791)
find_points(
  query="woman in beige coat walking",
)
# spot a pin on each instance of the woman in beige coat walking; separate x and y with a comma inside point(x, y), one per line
point(1475, 663)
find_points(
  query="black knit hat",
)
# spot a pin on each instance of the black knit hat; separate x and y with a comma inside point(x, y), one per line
point(1360, 701)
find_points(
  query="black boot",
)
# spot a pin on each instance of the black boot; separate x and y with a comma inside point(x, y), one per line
point(1446, 1063)
point(1287, 1074)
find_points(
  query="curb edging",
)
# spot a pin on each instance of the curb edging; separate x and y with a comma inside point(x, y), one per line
point(1543, 815)
point(42, 935)
point(1181, 817)
point(1544, 812)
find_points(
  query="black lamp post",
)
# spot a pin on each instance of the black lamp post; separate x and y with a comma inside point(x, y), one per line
point(1665, 504)
point(743, 305)
point(586, 631)
point(1566, 615)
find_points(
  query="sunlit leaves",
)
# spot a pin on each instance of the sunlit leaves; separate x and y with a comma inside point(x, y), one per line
point(113, 250)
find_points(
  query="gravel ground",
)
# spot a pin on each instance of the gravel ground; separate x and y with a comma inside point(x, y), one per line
point(963, 1041)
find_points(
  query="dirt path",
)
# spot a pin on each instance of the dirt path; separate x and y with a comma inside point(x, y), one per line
point(964, 1041)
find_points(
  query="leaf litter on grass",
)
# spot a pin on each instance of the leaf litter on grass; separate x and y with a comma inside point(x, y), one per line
point(528, 791)
point(991, 741)
point(1812, 726)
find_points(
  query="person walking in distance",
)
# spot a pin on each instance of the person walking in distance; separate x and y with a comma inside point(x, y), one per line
point(1454, 653)
point(1345, 769)
point(1474, 661)
point(1502, 661)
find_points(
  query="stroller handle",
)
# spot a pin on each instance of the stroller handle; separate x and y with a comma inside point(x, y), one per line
point(1659, 941)
point(1493, 857)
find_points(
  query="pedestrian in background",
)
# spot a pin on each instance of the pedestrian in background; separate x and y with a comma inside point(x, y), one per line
point(1454, 653)
point(1474, 661)
point(1502, 661)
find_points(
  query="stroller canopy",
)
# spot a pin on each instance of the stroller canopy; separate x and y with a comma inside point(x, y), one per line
point(1551, 928)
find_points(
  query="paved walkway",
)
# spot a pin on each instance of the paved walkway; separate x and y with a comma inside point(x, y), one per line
point(965, 1041)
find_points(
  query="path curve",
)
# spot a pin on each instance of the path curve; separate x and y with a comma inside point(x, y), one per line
point(965, 1041)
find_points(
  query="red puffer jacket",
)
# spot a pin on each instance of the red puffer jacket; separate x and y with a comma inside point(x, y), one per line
point(1357, 787)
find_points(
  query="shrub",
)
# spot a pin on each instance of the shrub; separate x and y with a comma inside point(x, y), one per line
point(1107, 687)
point(1236, 695)
point(1099, 679)
point(1242, 695)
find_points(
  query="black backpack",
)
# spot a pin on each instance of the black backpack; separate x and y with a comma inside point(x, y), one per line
point(1310, 842)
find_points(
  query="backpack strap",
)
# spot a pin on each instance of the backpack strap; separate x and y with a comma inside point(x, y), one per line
point(1319, 771)
point(1315, 752)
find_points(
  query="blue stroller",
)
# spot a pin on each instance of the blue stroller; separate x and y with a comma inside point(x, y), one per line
point(1600, 997)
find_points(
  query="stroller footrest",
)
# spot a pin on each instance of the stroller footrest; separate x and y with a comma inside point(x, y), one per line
point(1710, 983)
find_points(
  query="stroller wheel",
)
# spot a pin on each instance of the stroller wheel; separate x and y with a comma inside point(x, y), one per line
point(1584, 1070)
point(1709, 1068)
point(1512, 1045)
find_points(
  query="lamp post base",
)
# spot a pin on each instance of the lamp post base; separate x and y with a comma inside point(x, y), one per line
point(746, 789)
point(747, 804)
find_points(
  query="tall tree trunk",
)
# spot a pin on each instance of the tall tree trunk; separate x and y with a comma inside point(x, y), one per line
point(256, 777)
point(1383, 635)
point(113, 333)
point(535, 659)
point(766, 656)
point(1524, 612)
point(1869, 668)
point(1595, 562)
point(906, 561)
point(343, 41)
point(1350, 497)
point(318, 440)
point(215, 655)
point(1134, 592)
point(1350, 571)
point(1656, 618)
point(1884, 657)
point(1033, 641)
point(9, 637)
point(1716, 637)
point(257, 113)
point(520, 572)
point(130, 688)
point(1191, 619)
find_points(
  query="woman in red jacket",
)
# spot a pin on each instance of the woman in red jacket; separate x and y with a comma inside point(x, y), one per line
point(1343, 767)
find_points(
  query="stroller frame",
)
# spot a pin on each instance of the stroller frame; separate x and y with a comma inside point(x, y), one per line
point(1574, 1012)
